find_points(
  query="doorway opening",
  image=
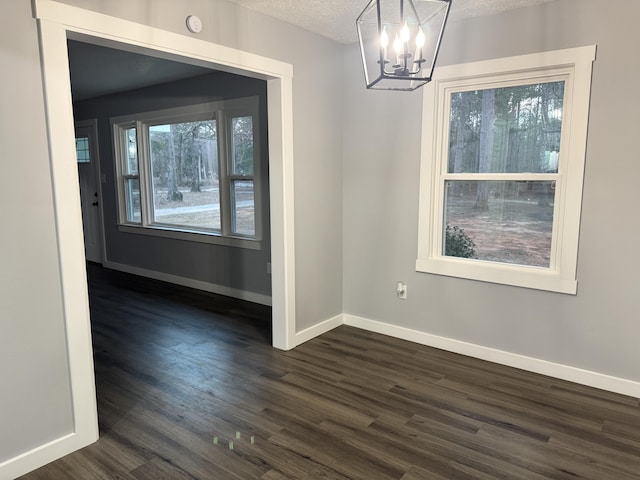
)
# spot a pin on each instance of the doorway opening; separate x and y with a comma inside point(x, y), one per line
point(60, 22)
point(184, 170)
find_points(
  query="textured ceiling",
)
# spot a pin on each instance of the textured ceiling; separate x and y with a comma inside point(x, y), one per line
point(336, 18)
point(97, 71)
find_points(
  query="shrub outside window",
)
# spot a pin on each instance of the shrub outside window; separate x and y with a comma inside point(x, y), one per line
point(190, 172)
point(502, 168)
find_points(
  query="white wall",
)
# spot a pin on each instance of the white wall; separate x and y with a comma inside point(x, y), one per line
point(596, 330)
point(35, 399)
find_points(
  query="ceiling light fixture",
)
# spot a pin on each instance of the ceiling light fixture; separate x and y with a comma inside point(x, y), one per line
point(399, 41)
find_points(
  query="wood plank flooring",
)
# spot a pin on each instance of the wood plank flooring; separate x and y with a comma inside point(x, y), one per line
point(189, 388)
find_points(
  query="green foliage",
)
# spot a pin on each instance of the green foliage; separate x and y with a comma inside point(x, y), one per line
point(526, 121)
point(178, 155)
point(458, 243)
point(242, 145)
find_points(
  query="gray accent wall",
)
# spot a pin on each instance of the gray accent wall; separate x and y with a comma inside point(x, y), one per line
point(596, 330)
point(35, 392)
point(238, 268)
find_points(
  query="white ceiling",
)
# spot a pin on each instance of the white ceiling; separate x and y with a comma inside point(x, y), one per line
point(336, 19)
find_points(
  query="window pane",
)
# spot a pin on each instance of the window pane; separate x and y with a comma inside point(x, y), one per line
point(244, 221)
point(508, 222)
point(506, 130)
point(82, 150)
point(132, 151)
point(132, 193)
point(242, 146)
point(184, 166)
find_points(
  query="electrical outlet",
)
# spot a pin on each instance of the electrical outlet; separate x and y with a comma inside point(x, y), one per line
point(269, 268)
point(402, 290)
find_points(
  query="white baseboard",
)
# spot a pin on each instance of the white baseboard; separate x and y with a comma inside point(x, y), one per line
point(42, 455)
point(317, 330)
point(556, 370)
point(191, 283)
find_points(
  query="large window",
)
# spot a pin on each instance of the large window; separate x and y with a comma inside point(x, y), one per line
point(191, 172)
point(503, 160)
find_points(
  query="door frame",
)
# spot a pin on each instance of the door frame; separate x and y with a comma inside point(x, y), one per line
point(94, 153)
point(56, 23)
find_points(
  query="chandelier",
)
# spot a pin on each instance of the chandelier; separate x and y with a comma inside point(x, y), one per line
point(399, 41)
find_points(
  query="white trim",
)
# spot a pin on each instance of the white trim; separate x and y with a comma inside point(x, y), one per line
point(169, 231)
point(106, 30)
point(27, 461)
point(68, 217)
point(56, 23)
point(191, 283)
point(531, 62)
point(556, 370)
point(573, 66)
point(318, 329)
point(281, 184)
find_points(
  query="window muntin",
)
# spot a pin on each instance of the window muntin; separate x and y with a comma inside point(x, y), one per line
point(180, 171)
point(503, 159)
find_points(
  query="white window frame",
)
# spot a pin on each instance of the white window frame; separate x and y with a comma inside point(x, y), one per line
point(574, 66)
point(222, 112)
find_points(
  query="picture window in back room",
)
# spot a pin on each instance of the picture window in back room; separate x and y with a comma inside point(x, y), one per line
point(191, 172)
point(503, 160)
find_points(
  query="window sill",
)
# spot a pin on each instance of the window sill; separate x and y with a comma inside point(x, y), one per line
point(200, 237)
point(514, 275)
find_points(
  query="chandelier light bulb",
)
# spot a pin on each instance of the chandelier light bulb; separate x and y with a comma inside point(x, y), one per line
point(384, 38)
point(420, 39)
point(397, 45)
point(405, 33)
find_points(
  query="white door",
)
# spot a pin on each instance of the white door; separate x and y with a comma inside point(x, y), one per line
point(89, 177)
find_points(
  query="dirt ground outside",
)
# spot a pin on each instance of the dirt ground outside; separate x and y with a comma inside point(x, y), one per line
point(515, 231)
point(202, 209)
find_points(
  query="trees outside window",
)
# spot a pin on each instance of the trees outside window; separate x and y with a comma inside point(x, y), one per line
point(184, 168)
point(510, 130)
point(190, 169)
point(503, 160)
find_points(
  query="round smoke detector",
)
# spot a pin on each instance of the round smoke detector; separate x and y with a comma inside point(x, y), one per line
point(194, 24)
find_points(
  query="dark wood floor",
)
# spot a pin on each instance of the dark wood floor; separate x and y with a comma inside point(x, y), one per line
point(182, 374)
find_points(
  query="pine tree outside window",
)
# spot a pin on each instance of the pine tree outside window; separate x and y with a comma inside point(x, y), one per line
point(190, 172)
point(502, 168)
